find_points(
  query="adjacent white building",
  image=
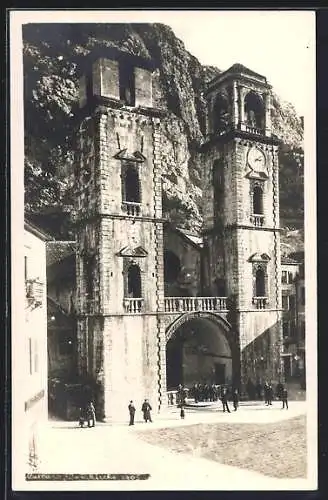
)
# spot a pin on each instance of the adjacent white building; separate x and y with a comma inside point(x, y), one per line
point(31, 367)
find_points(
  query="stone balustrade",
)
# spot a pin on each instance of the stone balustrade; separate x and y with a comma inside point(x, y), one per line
point(257, 220)
point(132, 208)
point(133, 306)
point(188, 304)
point(260, 302)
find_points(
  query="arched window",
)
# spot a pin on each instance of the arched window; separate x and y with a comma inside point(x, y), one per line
point(220, 113)
point(131, 185)
point(172, 266)
point(257, 200)
point(254, 110)
point(260, 283)
point(134, 281)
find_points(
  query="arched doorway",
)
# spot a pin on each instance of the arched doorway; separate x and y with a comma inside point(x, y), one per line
point(198, 351)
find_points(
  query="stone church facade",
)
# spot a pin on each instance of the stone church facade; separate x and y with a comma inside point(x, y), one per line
point(125, 320)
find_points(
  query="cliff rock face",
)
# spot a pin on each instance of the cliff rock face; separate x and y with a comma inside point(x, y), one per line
point(51, 56)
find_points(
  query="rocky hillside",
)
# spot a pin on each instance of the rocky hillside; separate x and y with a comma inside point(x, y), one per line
point(51, 55)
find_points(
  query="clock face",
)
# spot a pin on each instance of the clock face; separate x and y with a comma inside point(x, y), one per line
point(256, 159)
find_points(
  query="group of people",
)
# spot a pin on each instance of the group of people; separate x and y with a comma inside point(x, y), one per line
point(212, 392)
point(87, 415)
point(200, 393)
point(205, 392)
point(145, 408)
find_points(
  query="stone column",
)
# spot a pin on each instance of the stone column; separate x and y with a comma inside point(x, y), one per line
point(241, 96)
point(235, 111)
point(267, 103)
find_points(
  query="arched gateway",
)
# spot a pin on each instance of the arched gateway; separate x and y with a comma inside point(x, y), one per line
point(201, 348)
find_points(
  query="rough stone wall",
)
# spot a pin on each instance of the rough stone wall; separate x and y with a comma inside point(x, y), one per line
point(130, 364)
point(124, 353)
point(261, 346)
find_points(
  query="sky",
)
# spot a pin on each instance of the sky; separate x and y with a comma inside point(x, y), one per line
point(277, 44)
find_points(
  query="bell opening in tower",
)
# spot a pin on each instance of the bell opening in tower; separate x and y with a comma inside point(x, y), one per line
point(254, 111)
point(220, 114)
point(127, 84)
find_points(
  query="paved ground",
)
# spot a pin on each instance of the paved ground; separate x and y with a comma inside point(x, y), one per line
point(118, 449)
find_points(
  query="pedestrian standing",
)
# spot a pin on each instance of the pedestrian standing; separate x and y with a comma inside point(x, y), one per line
point(235, 399)
point(266, 393)
point(182, 411)
point(146, 409)
point(270, 394)
point(284, 398)
point(225, 400)
point(132, 411)
point(91, 414)
point(279, 390)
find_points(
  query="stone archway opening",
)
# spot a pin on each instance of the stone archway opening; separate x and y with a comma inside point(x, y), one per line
point(198, 352)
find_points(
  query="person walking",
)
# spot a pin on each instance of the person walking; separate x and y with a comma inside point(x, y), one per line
point(182, 411)
point(235, 399)
point(284, 398)
point(224, 400)
point(146, 409)
point(132, 411)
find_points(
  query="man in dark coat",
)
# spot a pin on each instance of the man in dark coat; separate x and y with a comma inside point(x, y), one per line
point(235, 399)
point(270, 394)
point(146, 409)
point(284, 397)
point(132, 411)
point(266, 393)
point(279, 390)
point(224, 399)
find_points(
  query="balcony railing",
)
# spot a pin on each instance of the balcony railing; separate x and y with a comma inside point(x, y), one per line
point(257, 220)
point(34, 292)
point(133, 306)
point(260, 302)
point(251, 129)
point(188, 304)
point(132, 208)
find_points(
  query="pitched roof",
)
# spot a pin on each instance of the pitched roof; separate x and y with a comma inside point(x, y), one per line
point(40, 233)
point(195, 239)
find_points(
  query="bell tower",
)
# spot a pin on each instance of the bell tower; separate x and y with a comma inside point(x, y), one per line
point(119, 232)
point(241, 215)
